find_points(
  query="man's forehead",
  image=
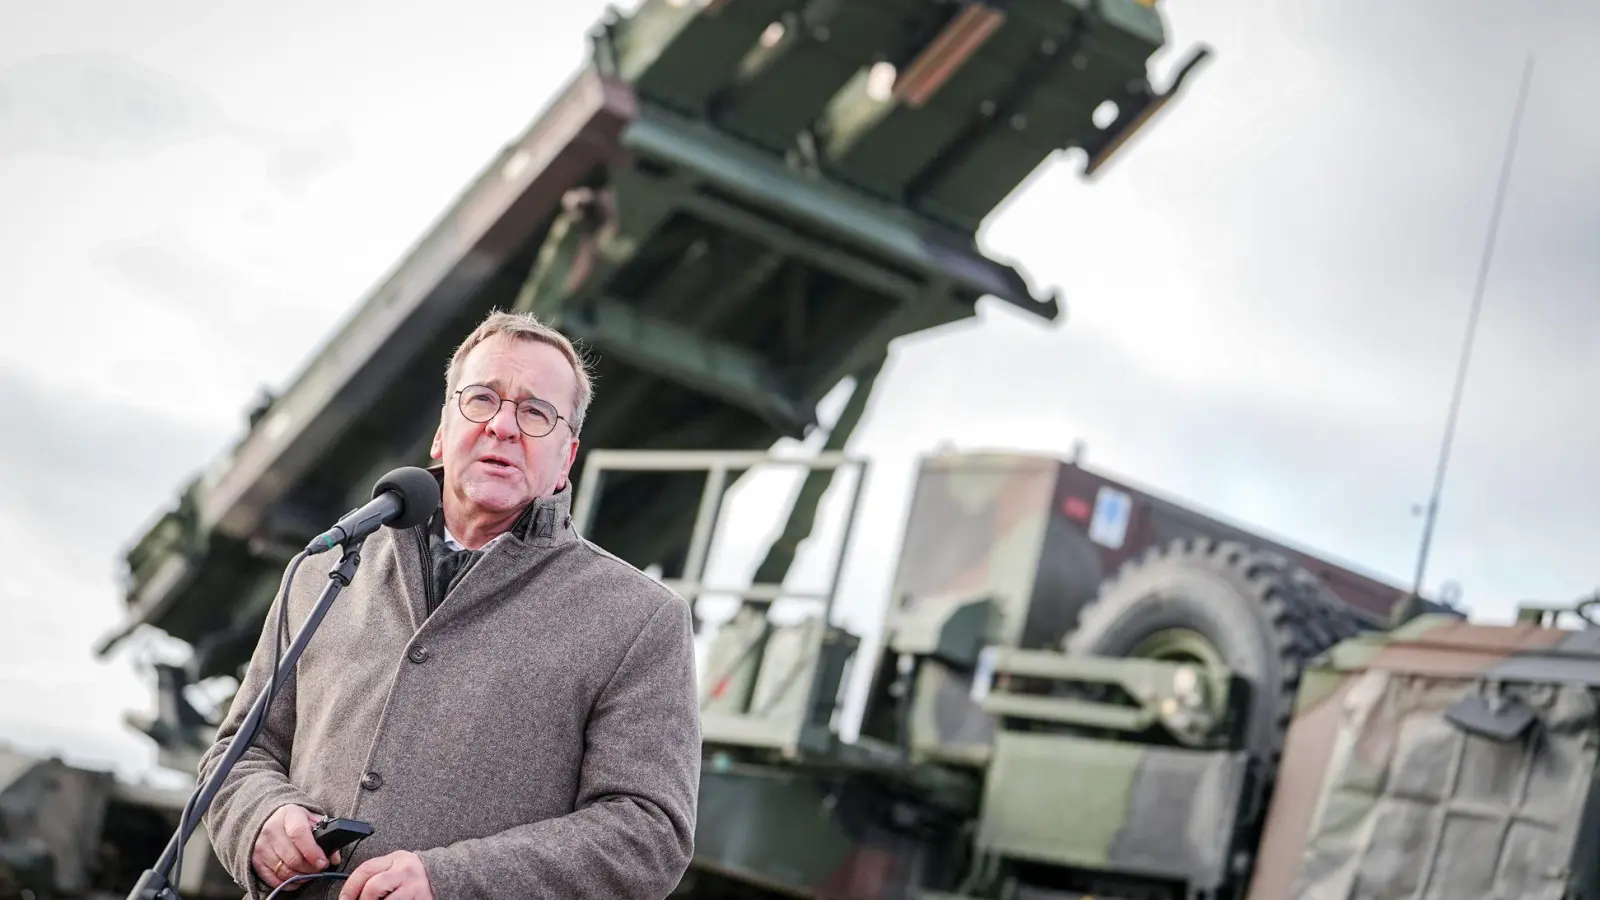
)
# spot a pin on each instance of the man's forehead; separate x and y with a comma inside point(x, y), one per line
point(517, 367)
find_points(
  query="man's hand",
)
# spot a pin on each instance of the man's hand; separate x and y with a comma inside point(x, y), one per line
point(397, 876)
point(285, 848)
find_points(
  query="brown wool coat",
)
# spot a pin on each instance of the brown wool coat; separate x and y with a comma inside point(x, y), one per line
point(537, 736)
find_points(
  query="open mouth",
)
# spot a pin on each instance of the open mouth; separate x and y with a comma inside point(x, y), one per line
point(496, 463)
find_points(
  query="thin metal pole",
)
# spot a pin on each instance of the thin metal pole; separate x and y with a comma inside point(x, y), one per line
point(1472, 330)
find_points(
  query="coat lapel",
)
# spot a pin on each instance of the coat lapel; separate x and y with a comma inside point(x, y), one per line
point(414, 573)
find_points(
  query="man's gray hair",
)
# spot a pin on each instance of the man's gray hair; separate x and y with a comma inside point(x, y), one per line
point(526, 327)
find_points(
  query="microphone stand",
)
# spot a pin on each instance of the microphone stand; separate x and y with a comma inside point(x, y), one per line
point(154, 883)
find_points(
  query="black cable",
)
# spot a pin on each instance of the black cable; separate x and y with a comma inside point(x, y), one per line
point(345, 856)
point(338, 874)
point(317, 876)
point(280, 638)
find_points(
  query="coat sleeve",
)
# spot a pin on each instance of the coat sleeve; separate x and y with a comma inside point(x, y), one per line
point(632, 832)
point(259, 782)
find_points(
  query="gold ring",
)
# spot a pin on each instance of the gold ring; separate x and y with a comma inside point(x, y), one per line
point(276, 867)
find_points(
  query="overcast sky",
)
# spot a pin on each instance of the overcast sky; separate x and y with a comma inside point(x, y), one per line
point(1266, 294)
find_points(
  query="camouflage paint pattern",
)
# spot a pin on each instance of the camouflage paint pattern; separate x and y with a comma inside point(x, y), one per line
point(1112, 806)
point(974, 531)
point(1036, 536)
point(1380, 795)
point(975, 528)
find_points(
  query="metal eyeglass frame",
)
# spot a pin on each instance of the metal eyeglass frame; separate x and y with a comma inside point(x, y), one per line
point(544, 406)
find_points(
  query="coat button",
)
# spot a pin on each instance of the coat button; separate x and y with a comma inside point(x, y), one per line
point(372, 781)
point(418, 654)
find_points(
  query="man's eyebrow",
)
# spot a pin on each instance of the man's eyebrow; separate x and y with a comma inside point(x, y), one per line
point(497, 384)
point(500, 388)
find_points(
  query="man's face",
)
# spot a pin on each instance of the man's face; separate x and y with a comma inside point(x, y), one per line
point(493, 467)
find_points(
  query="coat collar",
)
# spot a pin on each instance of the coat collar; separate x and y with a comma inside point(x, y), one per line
point(546, 520)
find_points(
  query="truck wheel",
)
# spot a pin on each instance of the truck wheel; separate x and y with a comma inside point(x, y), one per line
point(1213, 603)
point(1346, 622)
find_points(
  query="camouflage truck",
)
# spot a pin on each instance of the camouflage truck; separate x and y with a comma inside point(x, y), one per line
point(1084, 690)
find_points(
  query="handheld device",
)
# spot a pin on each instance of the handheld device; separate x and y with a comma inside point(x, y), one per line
point(336, 834)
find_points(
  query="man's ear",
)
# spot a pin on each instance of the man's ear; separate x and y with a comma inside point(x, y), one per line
point(436, 451)
point(566, 467)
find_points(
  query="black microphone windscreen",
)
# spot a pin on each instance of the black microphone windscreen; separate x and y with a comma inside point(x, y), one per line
point(419, 494)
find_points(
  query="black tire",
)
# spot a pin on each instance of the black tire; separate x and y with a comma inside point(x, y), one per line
point(1343, 621)
point(1244, 604)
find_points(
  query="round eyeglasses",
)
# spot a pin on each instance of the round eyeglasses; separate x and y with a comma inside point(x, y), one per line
point(480, 403)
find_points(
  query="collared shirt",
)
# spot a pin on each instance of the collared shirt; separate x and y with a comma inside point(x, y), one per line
point(451, 542)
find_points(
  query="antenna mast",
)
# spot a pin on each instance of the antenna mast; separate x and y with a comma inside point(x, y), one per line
point(1432, 512)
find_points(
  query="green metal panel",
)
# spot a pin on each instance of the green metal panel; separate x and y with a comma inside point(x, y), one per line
point(679, 52)
point(802, 59)
point(1029, 88)
point(1111, 807)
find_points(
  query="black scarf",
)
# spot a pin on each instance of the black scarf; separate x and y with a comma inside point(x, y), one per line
point(450, 565)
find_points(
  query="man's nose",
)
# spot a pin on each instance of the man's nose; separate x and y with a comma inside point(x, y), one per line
point(504, 423)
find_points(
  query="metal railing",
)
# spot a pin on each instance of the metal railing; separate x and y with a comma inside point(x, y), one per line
point(718, 464)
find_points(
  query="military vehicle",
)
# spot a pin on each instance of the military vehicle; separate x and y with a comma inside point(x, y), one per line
point(1058, 666)
point(1082, 689)
point(69, 831)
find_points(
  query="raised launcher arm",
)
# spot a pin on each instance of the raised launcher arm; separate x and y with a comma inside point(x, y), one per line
point(736, 205)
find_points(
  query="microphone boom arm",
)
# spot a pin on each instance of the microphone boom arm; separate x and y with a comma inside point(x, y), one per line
point(154, 883)
point(404, 498)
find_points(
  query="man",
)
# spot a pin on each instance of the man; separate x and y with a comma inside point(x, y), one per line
point(512, 708)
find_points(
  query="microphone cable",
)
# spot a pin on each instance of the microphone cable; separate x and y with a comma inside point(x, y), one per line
point(338, 875)
point(316, 876)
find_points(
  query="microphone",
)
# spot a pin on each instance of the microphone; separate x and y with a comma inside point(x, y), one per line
point(403, 498)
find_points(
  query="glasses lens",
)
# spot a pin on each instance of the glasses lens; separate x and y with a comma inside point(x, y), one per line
point(479, 403)
point(536, 418)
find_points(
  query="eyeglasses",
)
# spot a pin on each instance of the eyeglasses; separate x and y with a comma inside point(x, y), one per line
point(535, 417)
